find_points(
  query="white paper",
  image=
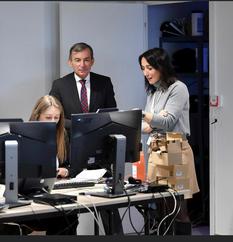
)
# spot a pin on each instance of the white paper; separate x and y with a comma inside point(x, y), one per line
point(90, 175)
point(2, 190)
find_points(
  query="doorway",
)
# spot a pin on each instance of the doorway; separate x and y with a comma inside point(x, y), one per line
point(197, 80)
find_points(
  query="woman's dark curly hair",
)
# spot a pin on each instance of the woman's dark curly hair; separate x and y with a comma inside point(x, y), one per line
point(159, 59)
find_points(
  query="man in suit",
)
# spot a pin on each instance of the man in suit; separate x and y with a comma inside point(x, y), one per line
point(100, 93)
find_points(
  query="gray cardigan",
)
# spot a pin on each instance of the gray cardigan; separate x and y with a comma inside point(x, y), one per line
point(174, 100)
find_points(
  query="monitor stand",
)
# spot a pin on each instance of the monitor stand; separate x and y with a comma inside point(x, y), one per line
point(11, 175)
point(118, 143)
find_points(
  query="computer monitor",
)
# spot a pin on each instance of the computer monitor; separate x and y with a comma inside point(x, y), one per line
point(27, 155)
point(4, 134)
point(113, 138)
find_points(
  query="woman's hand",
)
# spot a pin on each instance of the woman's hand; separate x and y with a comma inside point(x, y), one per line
point(146, 128)
point(148, 117)
point(62, 172)
point(163, 113)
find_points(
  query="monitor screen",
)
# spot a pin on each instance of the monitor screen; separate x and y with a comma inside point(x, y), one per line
point(36, 150)
point(90, 137)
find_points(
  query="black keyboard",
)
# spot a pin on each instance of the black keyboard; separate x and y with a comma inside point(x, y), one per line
point(72, 184)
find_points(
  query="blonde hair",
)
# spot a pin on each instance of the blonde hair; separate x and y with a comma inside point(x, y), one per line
point(40, 107)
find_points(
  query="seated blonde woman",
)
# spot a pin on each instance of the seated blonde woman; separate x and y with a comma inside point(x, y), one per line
point(48, 108)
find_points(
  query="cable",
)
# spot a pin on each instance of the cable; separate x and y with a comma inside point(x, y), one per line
point(125, 212)
point(96, 212)
point(178, 210)
point(66, 214)
point(138, 233)
point(60, 210)
point(166, 207)
point(168, 215)
point(128, 201)
point(174, 209)
point(93, 216)
point(68, 227)
point(128, 208)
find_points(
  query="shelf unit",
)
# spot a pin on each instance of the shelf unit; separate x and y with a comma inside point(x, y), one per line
point(199, 109)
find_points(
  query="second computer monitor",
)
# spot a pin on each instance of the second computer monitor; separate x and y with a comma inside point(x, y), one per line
point(90, 134)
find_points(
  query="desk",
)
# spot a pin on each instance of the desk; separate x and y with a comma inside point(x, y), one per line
point(45, 211)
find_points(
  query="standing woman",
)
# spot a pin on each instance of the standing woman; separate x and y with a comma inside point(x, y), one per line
point(167, 110)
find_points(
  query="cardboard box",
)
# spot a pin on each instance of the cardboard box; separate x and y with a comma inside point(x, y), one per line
point(176, 183)
point(157, 144)
point(174, 136)
point(174, 170)
point(179, 183)
point(151, 175)
point(165, 151)
point(165, 158)
point(173, 146)
point(168, 141)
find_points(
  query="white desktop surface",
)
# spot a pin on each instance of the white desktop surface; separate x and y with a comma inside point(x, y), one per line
point(36, 209)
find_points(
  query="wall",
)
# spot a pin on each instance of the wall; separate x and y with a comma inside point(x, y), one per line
point(221, 164)
point(27, 50)
point(116, 31)
point(30, 53)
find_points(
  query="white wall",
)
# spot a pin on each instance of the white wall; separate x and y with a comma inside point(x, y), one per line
point(116, 32)
point(30, 53)
point(27, 61)
point(221, 83)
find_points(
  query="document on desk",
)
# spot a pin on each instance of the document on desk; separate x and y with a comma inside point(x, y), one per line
point(2, 190)
point(90, 175)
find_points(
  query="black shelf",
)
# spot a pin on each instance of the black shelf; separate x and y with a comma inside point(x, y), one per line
point(198, 83)
point(185, 39)
point(193, 74)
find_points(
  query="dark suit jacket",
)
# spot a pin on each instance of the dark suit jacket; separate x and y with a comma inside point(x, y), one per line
point(102, 94)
